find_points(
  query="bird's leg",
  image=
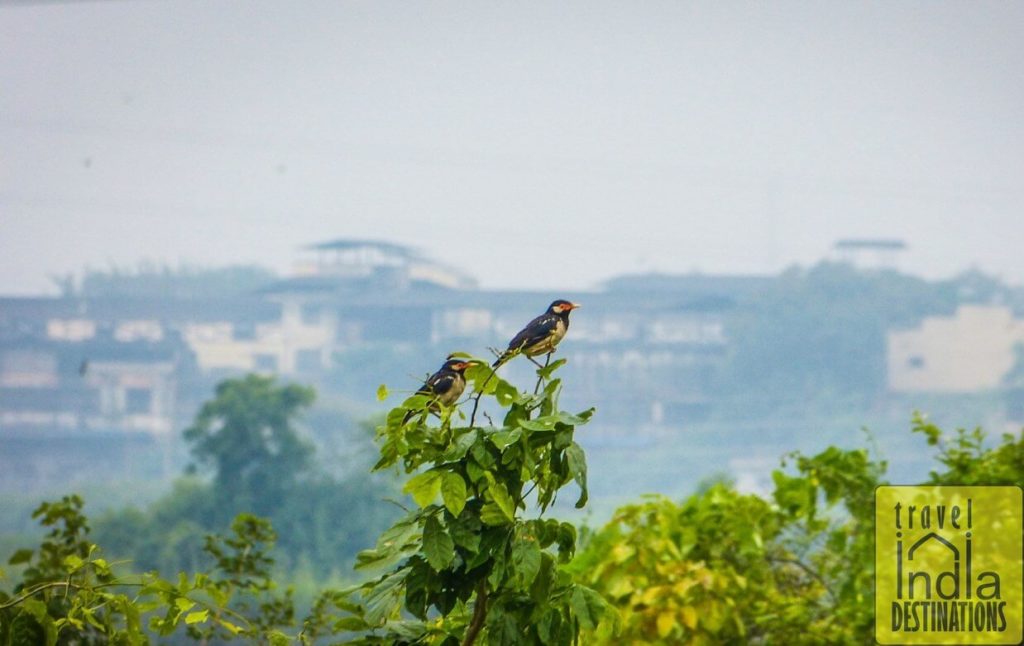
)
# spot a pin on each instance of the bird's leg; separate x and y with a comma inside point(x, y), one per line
point(540, 376)
point(537, 363)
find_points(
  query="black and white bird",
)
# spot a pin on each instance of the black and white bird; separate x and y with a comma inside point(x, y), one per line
point(445, 386)
point(542, 334)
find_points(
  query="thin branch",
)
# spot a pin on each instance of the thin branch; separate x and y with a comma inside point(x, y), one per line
point(540, 373)
point(479, 393)
point(479, 614)
point(61, 584)
point(808, 570)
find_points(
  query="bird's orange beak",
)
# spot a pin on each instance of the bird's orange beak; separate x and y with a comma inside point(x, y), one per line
point(574, 306)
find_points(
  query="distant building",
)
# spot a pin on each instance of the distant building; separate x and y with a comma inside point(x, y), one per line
point(969, 352)
point(375, 263)
point(869, 253)
point(75, 402)
point(91, 384)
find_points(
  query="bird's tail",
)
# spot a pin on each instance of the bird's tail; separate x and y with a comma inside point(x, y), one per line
point(502, 359)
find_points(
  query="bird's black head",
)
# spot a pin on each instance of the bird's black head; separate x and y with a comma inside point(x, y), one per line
point(562, 307)
point(457, 365)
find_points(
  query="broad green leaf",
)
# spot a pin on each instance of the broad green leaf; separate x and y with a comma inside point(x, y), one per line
point(37, 610)
point(666, 623)
point(502, 627)
point(689, 617)
point(410, 632)
point(578, 469)
point(566, 539)
point(73, 562)
point(397, 542)
point(475, 472)
point(453, 492)
point(385, 598)
point(544, 423)
point(465, 531)
point(438, 547)
point(382, 392)
point(505, 393)
point(525, 561)
point(501, 498)
point(502, 439)
point(492, 514)
point(540, 589)
point(350, 624)
point(197, 617)
point(424, 487)
point(20, 556)
point(588, 606)
point(458, 449)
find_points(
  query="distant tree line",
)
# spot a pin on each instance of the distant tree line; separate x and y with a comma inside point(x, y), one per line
point(154, 280)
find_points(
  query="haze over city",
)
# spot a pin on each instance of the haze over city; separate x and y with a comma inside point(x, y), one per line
point(532, 145)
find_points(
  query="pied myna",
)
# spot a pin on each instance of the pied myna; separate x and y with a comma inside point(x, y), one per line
point(444, 386)
point(542, 334)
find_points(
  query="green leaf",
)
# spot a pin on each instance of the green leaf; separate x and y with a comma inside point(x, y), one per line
point(453, 492)
point(501, 498)
point(37, 609)
point(349, 624)
point(73, 562)
point(382, 392)
point(465, 531)
point(424, 487)
point(231, 628)
point(566, 539)
point(525, 561)
point(458, 449)
point(540, 589)
point(20, 556)
point(197, 617)
point(589, 606)
point(502, 439)
point(578, 469)
point(438, 547)
point(385, 598)
point(505, 393)
point(544, 423)
point(474, 471)
point(492, 514)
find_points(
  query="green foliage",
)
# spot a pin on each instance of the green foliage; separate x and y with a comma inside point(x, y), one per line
point(260, 464)
point(466, 564)
point(247, 435)
point(724, 567)
point(71, 595)
point(819, 334)
point(149, 280)
point(794, 568)
point(469, 563)
point(967, 461)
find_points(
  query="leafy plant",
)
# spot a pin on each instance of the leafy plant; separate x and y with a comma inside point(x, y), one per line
point(71, 595)
point(467, 562)
point(725, 567)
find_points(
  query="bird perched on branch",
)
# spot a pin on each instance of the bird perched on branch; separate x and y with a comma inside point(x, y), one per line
point(542, 334)
point(444, 386)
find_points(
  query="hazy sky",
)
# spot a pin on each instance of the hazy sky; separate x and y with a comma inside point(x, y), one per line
point(533, 144)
